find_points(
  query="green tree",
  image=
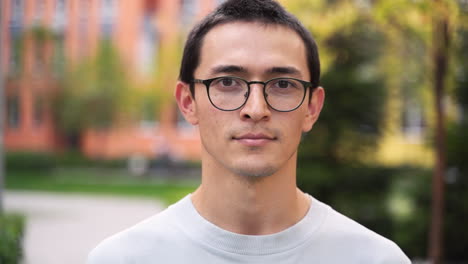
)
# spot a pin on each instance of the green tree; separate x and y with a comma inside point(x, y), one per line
point(332, 155)
point(93, 94)
point(349, 44)
point(457, 151)
point(350, 122)
point(397, 45)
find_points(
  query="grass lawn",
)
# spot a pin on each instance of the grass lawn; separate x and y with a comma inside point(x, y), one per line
point(100, 182)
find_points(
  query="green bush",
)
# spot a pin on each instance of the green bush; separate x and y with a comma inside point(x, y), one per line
point(29, 161)
point(41, 161)
point(395, 202)
point(359, 192)
point(11, 238)
point(74, 159)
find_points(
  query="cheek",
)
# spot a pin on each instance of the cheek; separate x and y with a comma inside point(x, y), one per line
point(292, 131)
point(210, 125)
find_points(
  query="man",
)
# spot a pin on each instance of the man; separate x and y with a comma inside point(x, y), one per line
point(250, 81)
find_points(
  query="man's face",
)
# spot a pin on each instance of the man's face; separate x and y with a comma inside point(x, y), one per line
point(254, 140)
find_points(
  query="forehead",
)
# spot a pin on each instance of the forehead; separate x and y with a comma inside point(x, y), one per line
point(254, 46)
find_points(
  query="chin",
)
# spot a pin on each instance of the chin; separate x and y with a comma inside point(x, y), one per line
point(255, 172)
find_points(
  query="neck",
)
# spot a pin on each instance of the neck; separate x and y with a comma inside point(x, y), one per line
point(251, 206)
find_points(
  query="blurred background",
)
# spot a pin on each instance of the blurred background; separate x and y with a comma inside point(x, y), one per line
point(88, 109)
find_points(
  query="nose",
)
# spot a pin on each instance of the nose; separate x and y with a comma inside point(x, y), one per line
point(256, 108)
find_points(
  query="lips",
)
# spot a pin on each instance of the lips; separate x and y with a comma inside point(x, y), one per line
point(254, 139)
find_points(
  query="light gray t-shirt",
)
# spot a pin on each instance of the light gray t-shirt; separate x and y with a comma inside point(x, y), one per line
point(180, 234)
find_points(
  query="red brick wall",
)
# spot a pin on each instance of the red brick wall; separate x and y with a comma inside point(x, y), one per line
point(79, 43)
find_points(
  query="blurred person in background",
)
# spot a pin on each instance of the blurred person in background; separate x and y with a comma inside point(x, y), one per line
point(249, 80)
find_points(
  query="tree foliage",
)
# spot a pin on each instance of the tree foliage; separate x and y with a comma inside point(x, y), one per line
point(377, 60)
point(351, 118)
point(457, 176)
point(349, 45)
point(94, 93)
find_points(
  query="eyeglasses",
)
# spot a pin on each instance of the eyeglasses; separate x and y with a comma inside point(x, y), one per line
point(231, 93)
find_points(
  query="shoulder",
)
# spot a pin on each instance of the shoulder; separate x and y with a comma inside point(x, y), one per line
point(359, 242)
point(140, 242)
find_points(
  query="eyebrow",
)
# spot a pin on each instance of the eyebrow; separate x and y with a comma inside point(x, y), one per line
point(228, 69)
point(284, 70)
point(239, 69)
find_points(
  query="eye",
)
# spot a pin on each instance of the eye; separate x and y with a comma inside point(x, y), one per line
point(283, 84)
point(227, 82)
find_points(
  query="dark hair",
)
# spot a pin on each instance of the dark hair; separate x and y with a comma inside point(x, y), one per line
point(265, 11)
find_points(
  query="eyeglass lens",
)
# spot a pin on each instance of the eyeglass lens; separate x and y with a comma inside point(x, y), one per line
point(230, 93)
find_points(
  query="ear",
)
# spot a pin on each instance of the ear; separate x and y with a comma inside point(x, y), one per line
point(314, 108)
point(186, 102)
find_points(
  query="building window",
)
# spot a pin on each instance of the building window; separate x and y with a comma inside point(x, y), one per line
point(16, 43)
point(189, 9)
point(147, 47)
point(39, 12)
point(16, 51)
point(39, 57)
point(60, 15)
point(38, 111)
point(13, 111)
point(108, 14)
point(58, 57)
point(17, 7)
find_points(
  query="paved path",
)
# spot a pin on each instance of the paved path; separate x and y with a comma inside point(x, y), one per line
point(63, 228)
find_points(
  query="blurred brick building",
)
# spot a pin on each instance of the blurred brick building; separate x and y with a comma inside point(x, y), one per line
point(139, 29)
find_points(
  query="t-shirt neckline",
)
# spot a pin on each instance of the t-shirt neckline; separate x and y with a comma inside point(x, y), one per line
point(201, 230)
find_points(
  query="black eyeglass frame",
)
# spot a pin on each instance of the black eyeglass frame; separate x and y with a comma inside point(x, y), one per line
point(207, 83)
